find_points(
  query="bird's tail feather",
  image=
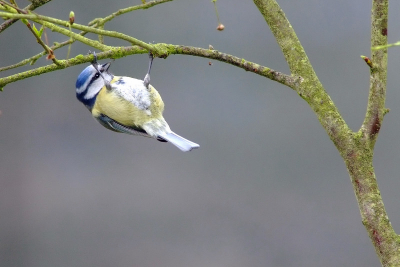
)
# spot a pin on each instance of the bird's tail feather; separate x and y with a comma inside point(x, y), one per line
point(178, 141)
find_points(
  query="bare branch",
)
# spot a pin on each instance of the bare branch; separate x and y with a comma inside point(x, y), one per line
point(33, 31)
point(129, 9)
point(355, 148)
point(286, 37)
point(117, 52)
point(48, 22)
point(35, 4)
point(75, 36)
point(160, 50)
point(288, 80)
point(80, 59)
point(377, 91)
point(95, 23)
point(373, 213)
point(311, 89)
point(33, 59)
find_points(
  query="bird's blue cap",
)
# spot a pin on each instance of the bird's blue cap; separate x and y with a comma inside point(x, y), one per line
point(83, 76)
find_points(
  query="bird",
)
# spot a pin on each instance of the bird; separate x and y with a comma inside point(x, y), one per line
point(126, 105)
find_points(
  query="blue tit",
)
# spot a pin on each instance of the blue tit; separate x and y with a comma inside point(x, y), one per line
point(126, 105)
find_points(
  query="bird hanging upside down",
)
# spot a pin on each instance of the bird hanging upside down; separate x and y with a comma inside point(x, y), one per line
point(126, 105)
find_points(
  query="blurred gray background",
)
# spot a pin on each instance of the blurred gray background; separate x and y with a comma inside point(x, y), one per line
point(266, 188)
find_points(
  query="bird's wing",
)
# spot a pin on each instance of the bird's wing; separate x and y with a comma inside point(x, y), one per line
point(118, 127)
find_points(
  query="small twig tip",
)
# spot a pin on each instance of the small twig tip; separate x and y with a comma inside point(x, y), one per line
point(367, 60)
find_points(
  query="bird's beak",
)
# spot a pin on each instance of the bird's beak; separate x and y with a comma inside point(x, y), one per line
point(106, 66)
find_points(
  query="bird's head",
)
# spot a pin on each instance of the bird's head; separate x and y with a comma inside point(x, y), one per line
point(90, 81)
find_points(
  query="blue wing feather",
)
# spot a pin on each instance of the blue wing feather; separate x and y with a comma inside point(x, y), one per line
point(118, 127)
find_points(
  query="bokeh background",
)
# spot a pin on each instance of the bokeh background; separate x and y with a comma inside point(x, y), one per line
point(266, 188)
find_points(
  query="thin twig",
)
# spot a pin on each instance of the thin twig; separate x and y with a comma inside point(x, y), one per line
point(129, 9)
point(288, 80)
point(94, 23)
point(76, 36)
point(21, 11)
point(33, 59)
point(35, 4)
point(79, 59)
point(48, 22)
point(38, 38)
point(45, 47)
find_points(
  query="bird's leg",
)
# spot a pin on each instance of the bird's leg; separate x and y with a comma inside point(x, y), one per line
point(96, 67)
point(146, 80)
point(94, 61)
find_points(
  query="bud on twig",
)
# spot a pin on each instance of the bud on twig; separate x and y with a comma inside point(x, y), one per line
point(367, 60)
point(71, 17)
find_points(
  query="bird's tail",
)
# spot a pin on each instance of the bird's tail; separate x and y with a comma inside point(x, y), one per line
point(178, 141)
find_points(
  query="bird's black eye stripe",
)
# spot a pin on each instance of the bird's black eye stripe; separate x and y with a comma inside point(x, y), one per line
point(95, 77)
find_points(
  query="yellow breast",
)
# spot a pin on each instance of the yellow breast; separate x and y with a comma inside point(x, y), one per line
point(124, 111)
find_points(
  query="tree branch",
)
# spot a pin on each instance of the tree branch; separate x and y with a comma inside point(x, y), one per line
point(129, 9)
point(80, 59)
point(94, 23)
point(374, 217)
point(377, 91)
point(45, 47)
point(288, 80)
point(48, 22)
point(117, 52)
point(35, 4)
point(355, 148)
point(160, 50)
point(33, 59)
point(311, 90)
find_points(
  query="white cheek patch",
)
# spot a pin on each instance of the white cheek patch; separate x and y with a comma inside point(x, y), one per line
point(81, 89)
point(94, 88)
point(88, 88)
